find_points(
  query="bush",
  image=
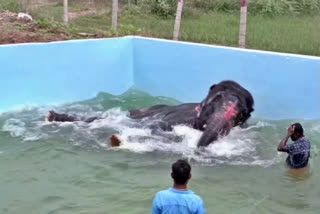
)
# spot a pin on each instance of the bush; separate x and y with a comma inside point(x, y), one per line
point(163, 7)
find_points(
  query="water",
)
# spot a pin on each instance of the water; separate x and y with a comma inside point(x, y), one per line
point(62, 168)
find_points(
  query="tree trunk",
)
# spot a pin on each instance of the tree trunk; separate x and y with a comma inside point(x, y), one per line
point(243, 24)
point(178, 20)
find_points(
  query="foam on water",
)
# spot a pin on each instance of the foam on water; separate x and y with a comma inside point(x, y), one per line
point(15, 127)
point(239, 147)
point(315, 128)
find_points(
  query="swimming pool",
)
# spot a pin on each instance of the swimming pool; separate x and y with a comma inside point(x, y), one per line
point(68, 168)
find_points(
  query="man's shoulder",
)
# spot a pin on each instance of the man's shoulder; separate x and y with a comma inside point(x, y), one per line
point(165, 191)
point(302, 142)
point(171, 192)
point(304, 139)
point(197, 197)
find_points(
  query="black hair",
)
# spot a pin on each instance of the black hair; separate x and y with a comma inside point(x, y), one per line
point(298, 129)
point(181, 171)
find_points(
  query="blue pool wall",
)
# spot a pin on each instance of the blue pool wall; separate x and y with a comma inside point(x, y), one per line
point(284, 86)
point(59, 72)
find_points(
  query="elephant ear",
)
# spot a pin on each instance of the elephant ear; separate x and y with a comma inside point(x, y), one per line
point(214, 85)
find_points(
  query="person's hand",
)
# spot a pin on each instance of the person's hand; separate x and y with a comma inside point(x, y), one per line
point(291, 130)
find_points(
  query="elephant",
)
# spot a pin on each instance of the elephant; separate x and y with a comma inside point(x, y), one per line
point(227, 105)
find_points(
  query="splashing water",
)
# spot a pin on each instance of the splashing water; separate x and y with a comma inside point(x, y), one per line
point(75, 162)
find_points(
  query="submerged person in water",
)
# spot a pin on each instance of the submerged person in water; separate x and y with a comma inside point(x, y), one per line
point(54, 116)
point(299, 151)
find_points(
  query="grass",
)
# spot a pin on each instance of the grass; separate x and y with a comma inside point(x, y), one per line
point(93, 24)
point(289, 32)
point(11, 5)
point(299, 35)
point(55, 13)
point(292, 34)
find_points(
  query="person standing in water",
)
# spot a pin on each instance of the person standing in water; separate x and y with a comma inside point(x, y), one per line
point(178, 199)
point(299, 151)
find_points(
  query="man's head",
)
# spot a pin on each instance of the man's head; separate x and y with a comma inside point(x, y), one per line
point(181, 172)
point(298, 131)
point(51, 115)
point(115, 140)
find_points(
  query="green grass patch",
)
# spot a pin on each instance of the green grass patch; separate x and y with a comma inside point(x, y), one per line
point(11, 5)
point(286, 33)
point(213, 22)
point(92, 24)
point(53, 13)
point(292, 34)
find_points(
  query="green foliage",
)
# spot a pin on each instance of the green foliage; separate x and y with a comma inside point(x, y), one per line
point(275, 7)
point(123, 30)
point(266, 7)
point(216, 5)
point(11, 5)
point(129, 29)
point(163, 8)
point(44, 23)
point(131, 10)
point(49, 25)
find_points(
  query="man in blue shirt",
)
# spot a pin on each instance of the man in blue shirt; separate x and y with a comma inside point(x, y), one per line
point(299, 151)
point(178, 200)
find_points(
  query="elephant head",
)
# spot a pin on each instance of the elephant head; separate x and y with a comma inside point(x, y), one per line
point(227, 105)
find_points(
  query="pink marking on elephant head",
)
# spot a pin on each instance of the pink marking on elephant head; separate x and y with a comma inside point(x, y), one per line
point(231, 111)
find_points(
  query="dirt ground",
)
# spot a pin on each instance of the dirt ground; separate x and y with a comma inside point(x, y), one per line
point(14, 30)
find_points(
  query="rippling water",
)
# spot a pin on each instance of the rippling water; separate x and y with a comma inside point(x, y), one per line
point(70, 168)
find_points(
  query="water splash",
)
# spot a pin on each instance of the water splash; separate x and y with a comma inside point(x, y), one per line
point(241, 147)
point(15, 127)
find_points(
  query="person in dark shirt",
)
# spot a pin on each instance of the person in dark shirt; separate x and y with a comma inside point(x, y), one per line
point(54, 116)
point(299, 151)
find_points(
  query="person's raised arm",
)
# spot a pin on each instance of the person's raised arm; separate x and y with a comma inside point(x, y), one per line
point(283, 144)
